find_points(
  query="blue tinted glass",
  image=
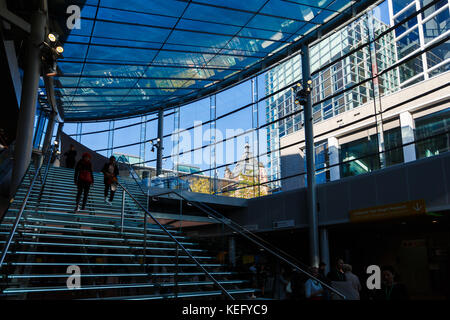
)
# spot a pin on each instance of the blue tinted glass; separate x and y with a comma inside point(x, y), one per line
point(215, 14)
point(132, 32)
point(290, 10)
point(275, 24)
point(137, 55)
point(250, 5)
point(163, 7)
point(118, 54)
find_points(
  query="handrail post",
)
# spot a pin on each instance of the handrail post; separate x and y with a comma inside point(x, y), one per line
point(44, 178)
point(145, 241)
point(122, 216)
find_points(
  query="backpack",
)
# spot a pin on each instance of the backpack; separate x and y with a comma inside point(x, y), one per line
point(85, 176)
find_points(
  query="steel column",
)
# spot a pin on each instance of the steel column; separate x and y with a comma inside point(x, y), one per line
point(27, 112)
point(310, 166)
point(159, 146)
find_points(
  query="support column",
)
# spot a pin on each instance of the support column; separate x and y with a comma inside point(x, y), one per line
point(49, 133)
point(24, 137)
point(407, 126)
point(333, 157)
point(143, 138)
point(57, 162)
point(324, 249)
point(159, 150)
point(310, 167)
point(58, 133)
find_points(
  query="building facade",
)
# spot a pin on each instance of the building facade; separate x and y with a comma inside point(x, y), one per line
point(344, 81)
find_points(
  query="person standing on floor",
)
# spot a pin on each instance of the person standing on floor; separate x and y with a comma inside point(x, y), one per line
point(313, 288)
point(355, 285)
point(337, 274)
point(110, 172)
point(84, 178)
point(391, 289)
point(70, 157)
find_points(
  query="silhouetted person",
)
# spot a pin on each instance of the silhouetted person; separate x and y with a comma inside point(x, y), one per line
point(110, 172)
point(70, 157)
point(313, 288)
point(280, 284)
point(84, 178)
point(390, 288)
point(354, 283)
point(337, 274)
point(322, 277)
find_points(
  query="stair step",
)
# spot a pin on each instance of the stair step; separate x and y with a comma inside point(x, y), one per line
point(117, 286)
point(104, 246)
point(151, 230)
point(130, 255)
point(95, 275)
point(140, 265)
point(179, 295)
point(47, 228)
point(80, 215)
point(84, 237)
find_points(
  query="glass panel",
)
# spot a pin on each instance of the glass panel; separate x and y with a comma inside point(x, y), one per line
point(393, 140)
point(352, 151)
point(436, 26)
point(435, 127)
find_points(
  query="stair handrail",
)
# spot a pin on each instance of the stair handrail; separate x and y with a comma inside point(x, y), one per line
point(22, 209)
point(222, 219)
point(146, 212)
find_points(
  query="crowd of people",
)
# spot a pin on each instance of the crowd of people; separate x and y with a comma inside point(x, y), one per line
point(277, 283)
point(84, 177)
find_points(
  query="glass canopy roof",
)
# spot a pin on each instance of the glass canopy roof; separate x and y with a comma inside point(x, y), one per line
point(135, 56)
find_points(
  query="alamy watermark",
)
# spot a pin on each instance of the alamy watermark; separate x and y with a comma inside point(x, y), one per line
point(74, 20)
point(74, 279)
point(211, 146)
point(374, 280)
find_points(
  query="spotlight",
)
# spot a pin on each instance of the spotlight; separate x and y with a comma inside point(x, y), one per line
point(52, 37)
point(56, 142)
point(59, 49)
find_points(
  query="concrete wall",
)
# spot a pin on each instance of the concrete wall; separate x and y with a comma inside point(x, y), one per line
point(427, 179)
point(97, 159)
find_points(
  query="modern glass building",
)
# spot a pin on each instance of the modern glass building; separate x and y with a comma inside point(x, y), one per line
point(352, 70)
point(345, 73)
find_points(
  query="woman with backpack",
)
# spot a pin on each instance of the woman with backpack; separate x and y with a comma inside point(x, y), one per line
point(110, 172)
point(83, 179)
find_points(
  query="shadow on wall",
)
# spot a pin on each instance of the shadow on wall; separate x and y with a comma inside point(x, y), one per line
point(97, 159)
point(292, 164)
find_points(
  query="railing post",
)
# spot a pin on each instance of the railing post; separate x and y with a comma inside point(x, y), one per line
point(145, 241)
point(122, 217)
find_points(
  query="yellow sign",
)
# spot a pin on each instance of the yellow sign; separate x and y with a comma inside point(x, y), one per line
point(390, 211)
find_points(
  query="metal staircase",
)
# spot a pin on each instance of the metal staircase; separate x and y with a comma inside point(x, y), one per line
point(120, 251)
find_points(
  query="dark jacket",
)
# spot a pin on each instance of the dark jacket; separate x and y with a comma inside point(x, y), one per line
point(106, 179)
point(396, 292)
point(336, 275)
point(81, 166)
point(70, 157)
